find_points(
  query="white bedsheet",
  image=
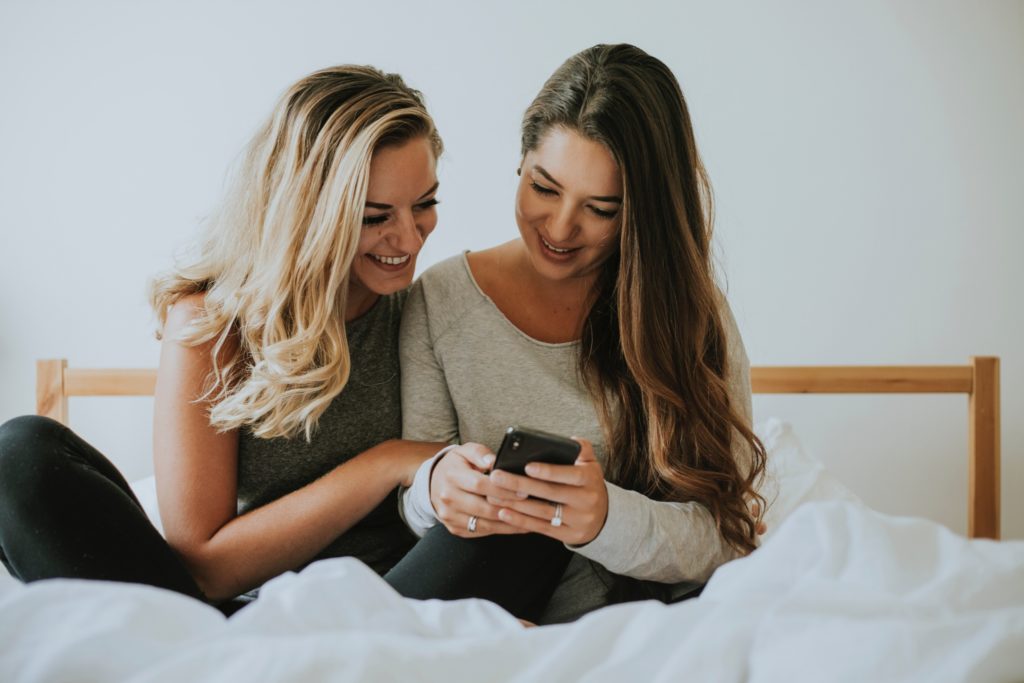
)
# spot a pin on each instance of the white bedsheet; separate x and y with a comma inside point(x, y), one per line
point(837, 593)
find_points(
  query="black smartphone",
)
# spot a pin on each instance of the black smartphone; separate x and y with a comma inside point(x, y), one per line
point(522, 445)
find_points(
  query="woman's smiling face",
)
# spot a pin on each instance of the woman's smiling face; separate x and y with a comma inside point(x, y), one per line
point(400, 213)
point(568, 204)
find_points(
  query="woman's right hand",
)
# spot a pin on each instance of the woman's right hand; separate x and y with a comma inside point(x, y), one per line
point(459, 487)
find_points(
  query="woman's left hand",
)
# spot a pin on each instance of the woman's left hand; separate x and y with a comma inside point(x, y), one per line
point(577, 491)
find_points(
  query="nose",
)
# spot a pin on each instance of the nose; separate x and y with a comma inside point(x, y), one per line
point(406, 235)
point(562, 225)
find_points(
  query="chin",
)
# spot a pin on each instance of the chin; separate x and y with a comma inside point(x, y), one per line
point(581, 265)
point(389, 286)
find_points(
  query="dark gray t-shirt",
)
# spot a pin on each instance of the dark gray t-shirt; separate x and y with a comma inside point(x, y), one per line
point(366, 412)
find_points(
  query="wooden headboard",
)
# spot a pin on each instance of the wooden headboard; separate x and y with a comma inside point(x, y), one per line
point(55, 382)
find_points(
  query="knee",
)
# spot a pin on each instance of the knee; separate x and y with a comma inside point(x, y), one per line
point(29, 432)
point(28, 444)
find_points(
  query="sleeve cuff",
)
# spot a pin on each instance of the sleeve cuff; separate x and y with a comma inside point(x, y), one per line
point(618, 540)
point(414, 505)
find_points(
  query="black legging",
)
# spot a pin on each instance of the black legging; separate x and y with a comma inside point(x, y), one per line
point(65, 511)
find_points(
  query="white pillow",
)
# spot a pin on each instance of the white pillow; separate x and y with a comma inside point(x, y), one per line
point(145, 491)
point(792, 477)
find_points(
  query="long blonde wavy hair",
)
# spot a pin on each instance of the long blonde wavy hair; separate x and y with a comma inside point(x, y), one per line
point(275, 259)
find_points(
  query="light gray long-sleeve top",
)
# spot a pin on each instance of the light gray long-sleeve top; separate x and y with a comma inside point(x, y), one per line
point(468, 374)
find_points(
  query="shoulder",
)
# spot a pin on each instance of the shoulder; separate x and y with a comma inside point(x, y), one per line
point(449, 275)
point(728, 320)
point(737, 363)
point(492, 269)
point(183, 313)
point(184, 363)
point(444, 294)
point(188, 329)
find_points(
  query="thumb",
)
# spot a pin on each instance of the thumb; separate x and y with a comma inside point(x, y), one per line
point(586, 451)
point(477, 455)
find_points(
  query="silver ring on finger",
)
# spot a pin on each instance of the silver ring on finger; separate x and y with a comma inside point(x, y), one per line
point(557, 519)
point(471, 524)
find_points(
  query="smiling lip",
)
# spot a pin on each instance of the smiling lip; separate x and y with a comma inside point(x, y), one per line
point(557, 254)
point(390, 263)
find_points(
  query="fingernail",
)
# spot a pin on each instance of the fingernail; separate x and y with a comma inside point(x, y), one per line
point(521, 495)
point(487, 460)
point(503, 514)
point(531, 469)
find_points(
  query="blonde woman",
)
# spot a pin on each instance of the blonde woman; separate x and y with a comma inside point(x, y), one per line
point(277, 407)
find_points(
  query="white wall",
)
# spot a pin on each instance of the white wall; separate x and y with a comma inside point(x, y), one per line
point(867, 161)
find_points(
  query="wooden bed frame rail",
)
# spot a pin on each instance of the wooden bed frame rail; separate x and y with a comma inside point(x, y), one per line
point(55, 382)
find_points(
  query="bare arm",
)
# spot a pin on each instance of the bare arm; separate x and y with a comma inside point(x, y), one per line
point(196, 475)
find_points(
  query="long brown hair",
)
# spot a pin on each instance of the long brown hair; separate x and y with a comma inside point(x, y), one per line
point(653, 348)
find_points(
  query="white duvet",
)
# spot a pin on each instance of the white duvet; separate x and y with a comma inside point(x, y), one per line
point(838, 592)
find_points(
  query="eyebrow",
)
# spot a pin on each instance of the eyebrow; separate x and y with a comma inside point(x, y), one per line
point(611, 198)
point(377, 205)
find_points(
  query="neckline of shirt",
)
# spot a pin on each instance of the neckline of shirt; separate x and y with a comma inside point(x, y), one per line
point(493, 306)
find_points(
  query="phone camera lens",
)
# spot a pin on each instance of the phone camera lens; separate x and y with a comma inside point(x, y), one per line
point(515, 445)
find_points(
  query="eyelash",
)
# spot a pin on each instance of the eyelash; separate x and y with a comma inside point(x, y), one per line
point(547, 191)
point(541, 189)
point(369, 221)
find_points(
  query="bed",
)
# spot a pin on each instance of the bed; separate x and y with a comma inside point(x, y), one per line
point(836, 592)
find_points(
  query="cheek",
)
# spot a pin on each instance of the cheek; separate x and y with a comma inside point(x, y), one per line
point(598, 233)
point(368, 239)
point(528, 209)
point(359, 268)
point(427, 224)
point(606, 238)
point(356, 272)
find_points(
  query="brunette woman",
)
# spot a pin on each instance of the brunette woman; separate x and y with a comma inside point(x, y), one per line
point(603, 321)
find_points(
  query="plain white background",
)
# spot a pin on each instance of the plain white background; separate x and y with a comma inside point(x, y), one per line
point(867, 158)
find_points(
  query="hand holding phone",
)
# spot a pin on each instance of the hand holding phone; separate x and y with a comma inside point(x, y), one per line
point(569, 504)
point(522, 445)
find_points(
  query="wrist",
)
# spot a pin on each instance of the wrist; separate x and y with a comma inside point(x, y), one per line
point(399, 463)
point(596, 532)
point(429, 474)
point(425, 477)
point(416, 507)
point(406, 464)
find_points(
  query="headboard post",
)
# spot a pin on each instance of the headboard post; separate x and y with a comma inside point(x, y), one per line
point(983, 465)
point(51, 399)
